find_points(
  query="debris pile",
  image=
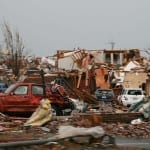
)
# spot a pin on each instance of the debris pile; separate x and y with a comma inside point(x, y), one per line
point(73, 131)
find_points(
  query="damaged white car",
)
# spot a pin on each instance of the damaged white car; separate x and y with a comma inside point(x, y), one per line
point(131, 96)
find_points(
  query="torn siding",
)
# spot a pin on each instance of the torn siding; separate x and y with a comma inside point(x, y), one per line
point(66, 63)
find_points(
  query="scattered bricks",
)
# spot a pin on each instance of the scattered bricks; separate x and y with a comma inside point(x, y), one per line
point(84, 123)
point(136, 131)
point(110, 126)
point(127, 130)
point(93, 117)
point(147, 130)
point(96, 119)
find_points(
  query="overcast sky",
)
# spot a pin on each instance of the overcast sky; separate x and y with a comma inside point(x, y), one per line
point(49, 25)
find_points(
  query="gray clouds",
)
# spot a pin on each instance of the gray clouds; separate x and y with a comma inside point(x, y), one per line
point(49, 25)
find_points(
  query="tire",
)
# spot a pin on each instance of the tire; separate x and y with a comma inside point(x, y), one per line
point(56, 111)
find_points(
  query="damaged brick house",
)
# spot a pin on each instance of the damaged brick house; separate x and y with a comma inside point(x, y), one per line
point(105, 60)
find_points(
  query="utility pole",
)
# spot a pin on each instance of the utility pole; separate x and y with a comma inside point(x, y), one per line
point(112, 44)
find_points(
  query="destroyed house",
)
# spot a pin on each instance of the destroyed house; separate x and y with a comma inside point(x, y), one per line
point(68, 59)
point(120, 57)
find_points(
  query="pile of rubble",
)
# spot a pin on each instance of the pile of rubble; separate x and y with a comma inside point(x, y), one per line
point(75, 132)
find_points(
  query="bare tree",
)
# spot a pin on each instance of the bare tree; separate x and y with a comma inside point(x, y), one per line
point(14, 44)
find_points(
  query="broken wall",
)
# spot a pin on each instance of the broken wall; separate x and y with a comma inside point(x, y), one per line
point(66, 63)
point(134, 79)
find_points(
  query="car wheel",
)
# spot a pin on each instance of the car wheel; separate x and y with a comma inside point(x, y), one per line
point(56, 111)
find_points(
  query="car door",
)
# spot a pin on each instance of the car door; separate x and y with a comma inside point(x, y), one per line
point(37, 92)
point(19, 99)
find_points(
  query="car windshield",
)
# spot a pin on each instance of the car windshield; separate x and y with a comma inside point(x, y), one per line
point(9, 88)
point(134, 92)
point(105, 92)
point(3, 85)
